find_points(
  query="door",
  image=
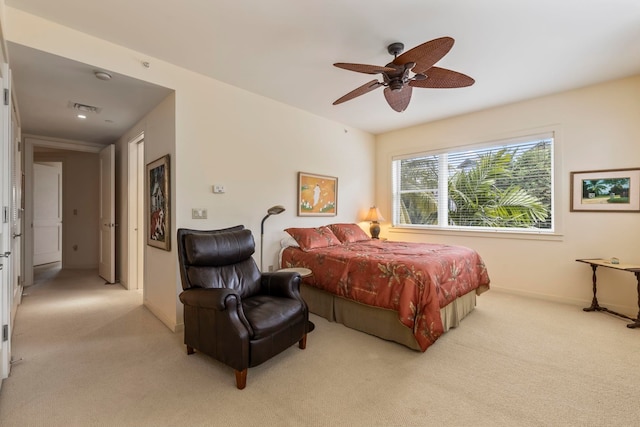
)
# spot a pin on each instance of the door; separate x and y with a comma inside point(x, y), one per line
point(17, 201)
point(6, 270)
point(47, 213)
point(106, 265)
point(136, 235)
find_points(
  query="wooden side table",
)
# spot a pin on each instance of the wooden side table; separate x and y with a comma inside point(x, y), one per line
point(303, 272)
point(599, 262)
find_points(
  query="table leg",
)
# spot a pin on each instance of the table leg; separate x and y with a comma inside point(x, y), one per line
point(636, 324)
point(594, 302)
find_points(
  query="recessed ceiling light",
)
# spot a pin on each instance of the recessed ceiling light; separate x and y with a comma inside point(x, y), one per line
point(82, 116)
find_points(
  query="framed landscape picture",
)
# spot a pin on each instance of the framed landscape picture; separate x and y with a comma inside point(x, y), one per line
point(317, 195)
point(612, 190)
point(158, 216)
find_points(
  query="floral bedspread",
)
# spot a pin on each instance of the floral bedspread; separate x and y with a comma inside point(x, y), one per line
point(414, 279)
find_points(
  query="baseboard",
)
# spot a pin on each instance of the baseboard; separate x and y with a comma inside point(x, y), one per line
point(624, 309)
point(169, 323)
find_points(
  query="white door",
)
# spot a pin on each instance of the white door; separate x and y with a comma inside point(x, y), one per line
point(47, 213)
point(136, 235)
point(17, 201)
point(107, 265)
point(6, 291)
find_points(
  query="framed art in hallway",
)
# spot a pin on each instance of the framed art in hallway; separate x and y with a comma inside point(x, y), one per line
point(317, 195)
point(158, 216)
point(610, 190)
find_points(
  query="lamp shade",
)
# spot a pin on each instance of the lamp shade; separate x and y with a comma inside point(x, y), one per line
point(275, 210)
point(374, 215)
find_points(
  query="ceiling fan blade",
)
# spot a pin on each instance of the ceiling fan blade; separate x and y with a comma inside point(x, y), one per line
point(441, 78)
point(398, 99)
point(364, 68)
point(365, 88)
point(426, 54)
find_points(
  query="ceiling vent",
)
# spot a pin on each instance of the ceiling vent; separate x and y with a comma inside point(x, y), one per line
point(84, 107)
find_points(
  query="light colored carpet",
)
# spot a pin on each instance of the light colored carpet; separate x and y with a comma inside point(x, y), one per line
point(94, 356)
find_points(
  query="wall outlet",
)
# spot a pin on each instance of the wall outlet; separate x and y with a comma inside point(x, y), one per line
point(198, 213)
point(218, 188)
point(271, 268)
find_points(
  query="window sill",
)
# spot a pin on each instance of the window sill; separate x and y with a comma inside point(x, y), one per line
point(497, 234)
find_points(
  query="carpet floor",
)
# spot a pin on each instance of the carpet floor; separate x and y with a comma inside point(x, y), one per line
point(93, 355)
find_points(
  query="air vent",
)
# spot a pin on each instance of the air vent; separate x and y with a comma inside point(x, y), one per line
point(84, 107)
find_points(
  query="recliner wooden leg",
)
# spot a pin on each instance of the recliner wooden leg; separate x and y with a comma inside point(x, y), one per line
point(190, 350)
point(303, 342)
point(241, 379)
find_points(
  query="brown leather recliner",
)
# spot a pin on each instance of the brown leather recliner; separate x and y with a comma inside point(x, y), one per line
point(232, 312)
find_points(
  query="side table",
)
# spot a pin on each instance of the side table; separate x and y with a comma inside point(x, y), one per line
point(303, 272)
point(599, 262)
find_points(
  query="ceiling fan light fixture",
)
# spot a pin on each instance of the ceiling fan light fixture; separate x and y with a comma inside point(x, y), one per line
point(395, 84)
point(397, 78)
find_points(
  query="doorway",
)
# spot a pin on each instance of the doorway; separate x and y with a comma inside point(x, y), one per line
point(47, 213)
point(135, 213)
point(80, 206)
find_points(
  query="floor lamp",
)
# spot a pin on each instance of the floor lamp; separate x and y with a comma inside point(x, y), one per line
point(274, 210)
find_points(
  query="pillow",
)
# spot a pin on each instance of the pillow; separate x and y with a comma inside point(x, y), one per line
point(349, 233)
point(313, 238)
point(289, 241)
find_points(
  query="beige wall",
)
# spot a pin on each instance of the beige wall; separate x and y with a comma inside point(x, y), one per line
point(80, 203)
point(159, 139)
point(597, 128)
point(222, 135)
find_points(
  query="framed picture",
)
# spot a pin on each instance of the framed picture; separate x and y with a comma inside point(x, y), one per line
point(158, 217)
point(612, 190)
point(317, 195)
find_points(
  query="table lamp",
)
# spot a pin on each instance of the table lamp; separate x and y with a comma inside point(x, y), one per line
point(273, 210)
point(374, 216)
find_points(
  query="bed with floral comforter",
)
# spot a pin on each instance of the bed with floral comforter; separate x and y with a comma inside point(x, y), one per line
point(415, 280)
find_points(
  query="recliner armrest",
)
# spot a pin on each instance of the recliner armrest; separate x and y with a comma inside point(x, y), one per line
point(281, 284)
point(212, 298)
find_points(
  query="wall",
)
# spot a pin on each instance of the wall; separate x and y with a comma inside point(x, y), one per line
point(159, 139)
point(597, 128)
point(223, 135)
point(80, 181)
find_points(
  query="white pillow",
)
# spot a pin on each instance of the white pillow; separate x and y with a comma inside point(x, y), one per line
point(289, 241)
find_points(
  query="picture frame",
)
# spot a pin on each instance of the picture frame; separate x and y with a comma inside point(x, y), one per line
point(159, 203)
point(609, 190)
point(317, 195)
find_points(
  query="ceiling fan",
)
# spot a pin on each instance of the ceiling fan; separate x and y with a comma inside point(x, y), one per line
point(414, 68)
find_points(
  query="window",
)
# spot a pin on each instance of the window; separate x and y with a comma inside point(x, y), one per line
point(506, 185)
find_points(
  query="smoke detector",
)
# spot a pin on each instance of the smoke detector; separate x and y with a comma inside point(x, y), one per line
point(102, 75)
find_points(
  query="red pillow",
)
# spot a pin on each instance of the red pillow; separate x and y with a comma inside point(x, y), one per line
point(313, 238)
point(349, 233)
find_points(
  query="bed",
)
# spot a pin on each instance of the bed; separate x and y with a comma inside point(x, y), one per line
point(410, 293)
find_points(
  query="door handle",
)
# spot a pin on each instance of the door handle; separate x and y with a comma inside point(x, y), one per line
point(5, 255)
point(16, 235)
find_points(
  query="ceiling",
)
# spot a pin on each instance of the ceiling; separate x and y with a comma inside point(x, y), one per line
point(47, 87)
point(284, 49)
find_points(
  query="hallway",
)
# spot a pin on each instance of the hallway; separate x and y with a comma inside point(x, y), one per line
point(86, 347)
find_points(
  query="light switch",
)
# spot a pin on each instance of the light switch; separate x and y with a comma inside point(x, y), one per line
point(198, 213)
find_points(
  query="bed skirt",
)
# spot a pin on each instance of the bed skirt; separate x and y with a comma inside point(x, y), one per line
point(380, 322)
